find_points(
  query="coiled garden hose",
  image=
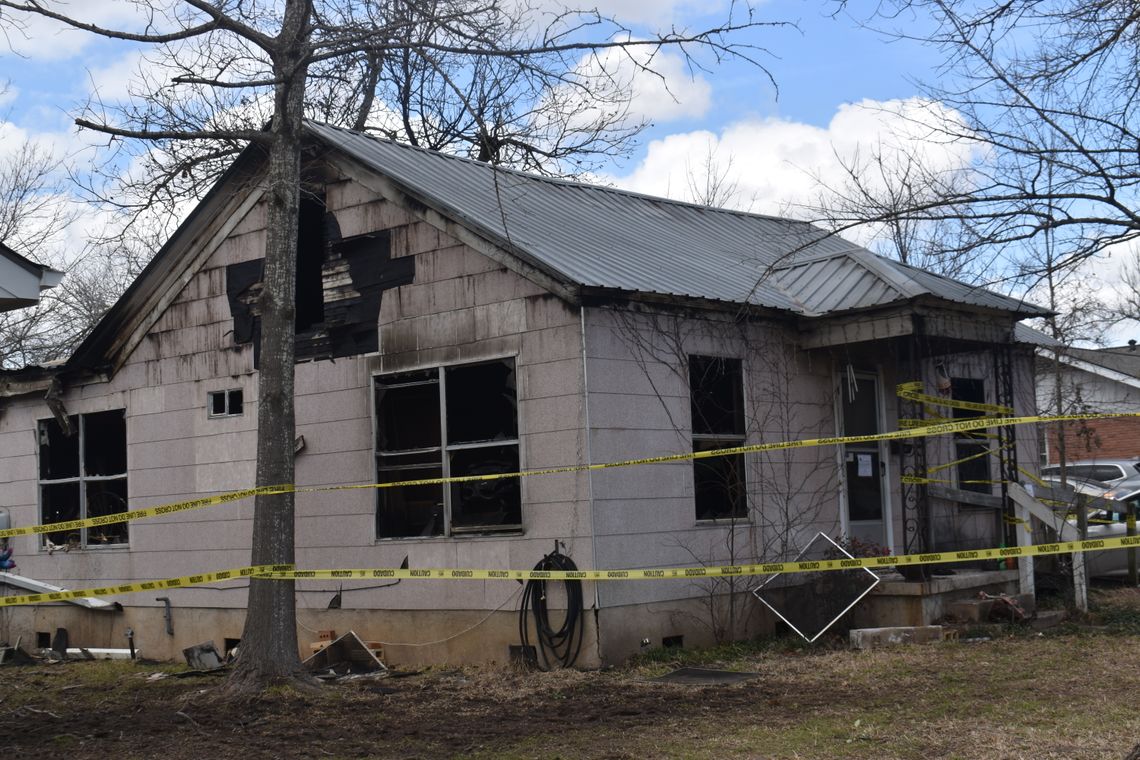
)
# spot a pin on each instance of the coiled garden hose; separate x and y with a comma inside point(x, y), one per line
point(553, 648)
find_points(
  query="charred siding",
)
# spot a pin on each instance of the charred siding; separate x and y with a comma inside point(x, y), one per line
point(355, 272)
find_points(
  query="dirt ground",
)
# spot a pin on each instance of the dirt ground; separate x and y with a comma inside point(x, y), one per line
point(1014, 694)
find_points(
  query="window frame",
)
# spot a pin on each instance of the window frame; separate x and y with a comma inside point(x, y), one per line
point(445, 450)
point(227, 394)
point(969, 445)
point(82, 479)
point(704, 441)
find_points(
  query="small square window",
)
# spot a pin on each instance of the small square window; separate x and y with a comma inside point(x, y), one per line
point(224, 403)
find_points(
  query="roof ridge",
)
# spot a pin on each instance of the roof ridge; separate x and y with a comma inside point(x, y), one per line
point(567, 182)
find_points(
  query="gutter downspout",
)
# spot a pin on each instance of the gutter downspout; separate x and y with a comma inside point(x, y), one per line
point(590, 473)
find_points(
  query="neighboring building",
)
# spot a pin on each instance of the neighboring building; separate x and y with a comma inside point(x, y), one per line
point(1100, 380)
point(22, 281)
point(453, 318)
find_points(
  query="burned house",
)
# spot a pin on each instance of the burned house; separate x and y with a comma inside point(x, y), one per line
point(455, 319)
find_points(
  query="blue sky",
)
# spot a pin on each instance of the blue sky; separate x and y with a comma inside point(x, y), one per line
point(827, 62)
point(843, 90)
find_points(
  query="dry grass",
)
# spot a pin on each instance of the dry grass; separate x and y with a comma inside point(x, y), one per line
point(1023, 696)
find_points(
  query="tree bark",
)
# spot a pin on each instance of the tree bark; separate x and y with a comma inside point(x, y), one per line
point(269, 641)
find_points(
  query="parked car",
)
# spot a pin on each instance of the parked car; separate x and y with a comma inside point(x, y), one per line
point(1111, 522)
point(1109, 471)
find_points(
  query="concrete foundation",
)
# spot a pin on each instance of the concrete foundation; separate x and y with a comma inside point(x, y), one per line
point(410, 638)
point(683, 622)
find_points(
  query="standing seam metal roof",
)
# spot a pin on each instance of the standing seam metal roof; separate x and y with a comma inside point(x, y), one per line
point(605, 238)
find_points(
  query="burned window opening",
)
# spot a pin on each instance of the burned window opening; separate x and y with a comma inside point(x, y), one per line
point(311, 238)
point(340, 286)
point(481, 403)
point(84, 475)
point(452, 421)
point(971, 449)
point(716, 388)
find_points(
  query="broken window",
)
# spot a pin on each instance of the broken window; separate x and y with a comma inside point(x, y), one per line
point(339, 286)
point(83, 475)
point(437, 423)
point(224, 403)
point(716, 388)
point(972, 448)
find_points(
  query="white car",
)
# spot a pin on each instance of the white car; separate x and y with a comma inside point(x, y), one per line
point(1110, 521)
point(1110, 471)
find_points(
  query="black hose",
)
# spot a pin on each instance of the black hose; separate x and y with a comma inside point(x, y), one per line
point(553, 648)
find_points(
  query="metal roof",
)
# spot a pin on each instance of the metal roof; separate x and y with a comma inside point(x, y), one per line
point(1123, 359)
point(599, 237)
point(1023, 333)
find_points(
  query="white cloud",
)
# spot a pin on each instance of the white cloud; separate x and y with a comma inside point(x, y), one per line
point(660, 86)
point(1106, 275)
point(649, 13)
point(112, 81)
point(777, 166)
point(668, 92)
point(40, 38)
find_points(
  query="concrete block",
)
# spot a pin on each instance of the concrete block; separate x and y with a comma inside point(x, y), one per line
point(970, 610)
point(872, 638)
point(1048, 619)
point(981, 610)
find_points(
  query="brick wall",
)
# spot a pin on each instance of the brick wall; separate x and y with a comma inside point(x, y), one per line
point(1097, 439)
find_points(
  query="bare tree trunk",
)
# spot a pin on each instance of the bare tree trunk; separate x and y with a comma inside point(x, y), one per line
point(269, 640)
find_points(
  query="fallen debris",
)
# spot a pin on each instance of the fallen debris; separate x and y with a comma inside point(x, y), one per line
point(14, 655)
point(705, 676)
point(345, 656)
point(203, 656)
point(870, 638)
point(99, 653)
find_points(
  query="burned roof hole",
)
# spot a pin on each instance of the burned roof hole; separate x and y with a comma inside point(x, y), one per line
point(311, 236)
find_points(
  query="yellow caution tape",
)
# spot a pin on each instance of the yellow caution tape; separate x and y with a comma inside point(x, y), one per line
point(186, 581)
point(917, 480)
point(948, 465)
point(943, 428)
point(1031, 476)
point(913, 392)
point(139, 514)
point(287, 572)
point(911, 424)
point(767, 568)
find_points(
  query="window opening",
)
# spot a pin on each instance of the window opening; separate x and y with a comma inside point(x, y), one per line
point(84, 475)
point(309, 298)
point(450, 421)
point(339, 286)
point(716, 389)
point(225, 403)
point(971, 449)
